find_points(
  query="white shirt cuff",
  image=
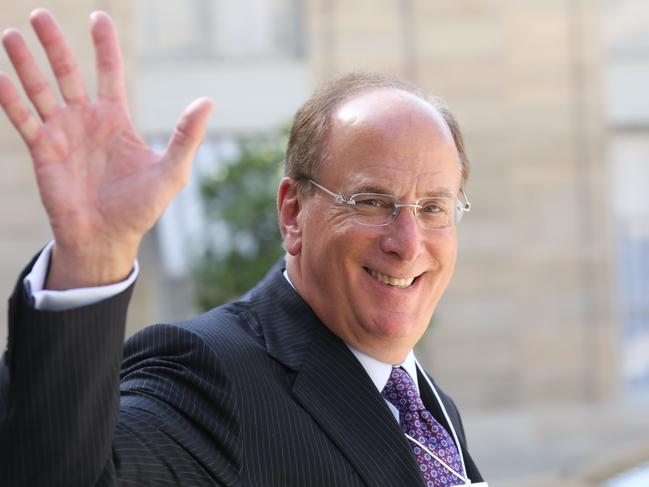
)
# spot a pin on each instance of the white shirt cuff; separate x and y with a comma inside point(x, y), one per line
point(48, 300)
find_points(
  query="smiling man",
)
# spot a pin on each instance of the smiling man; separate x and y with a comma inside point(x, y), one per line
point(373, 272)
point(308, 381)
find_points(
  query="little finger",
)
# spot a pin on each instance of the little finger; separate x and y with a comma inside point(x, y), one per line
point(36, 86)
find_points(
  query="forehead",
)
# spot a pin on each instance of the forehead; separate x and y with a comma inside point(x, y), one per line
point(393, 140)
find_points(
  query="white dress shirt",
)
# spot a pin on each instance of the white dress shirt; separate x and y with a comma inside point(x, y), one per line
point(380, 372)
point(48, 300)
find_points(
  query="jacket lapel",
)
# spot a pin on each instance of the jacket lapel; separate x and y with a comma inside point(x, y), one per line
point(336, 390)
point(333, 387)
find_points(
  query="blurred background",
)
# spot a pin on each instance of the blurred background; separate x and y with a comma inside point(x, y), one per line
point(543, 337)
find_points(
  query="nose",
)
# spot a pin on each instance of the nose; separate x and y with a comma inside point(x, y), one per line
point(404, 236)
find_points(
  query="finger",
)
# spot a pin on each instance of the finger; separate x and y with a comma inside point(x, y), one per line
point(36, 86)
point(64, 65)
point(19, 115)
point(187, 137)
point(110, 71)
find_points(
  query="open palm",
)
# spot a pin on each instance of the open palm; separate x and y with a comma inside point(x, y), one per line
point(101, 186)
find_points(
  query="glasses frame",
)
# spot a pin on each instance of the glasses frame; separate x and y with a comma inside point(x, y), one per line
point(462, 205)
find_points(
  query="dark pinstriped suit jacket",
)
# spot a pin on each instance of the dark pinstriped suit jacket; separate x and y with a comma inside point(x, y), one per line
point(256, 393)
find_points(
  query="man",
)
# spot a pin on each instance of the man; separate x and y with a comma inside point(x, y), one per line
point(308, 381)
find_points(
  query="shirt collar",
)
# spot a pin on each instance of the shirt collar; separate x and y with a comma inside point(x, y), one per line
point(380, 372)
point(285, 274)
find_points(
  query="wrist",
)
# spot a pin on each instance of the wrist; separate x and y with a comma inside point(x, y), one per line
point(90, 266)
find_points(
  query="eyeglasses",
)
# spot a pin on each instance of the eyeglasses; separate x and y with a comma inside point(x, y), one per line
point(378, 210)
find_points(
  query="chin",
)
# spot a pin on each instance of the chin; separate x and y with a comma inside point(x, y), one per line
point(399, 326)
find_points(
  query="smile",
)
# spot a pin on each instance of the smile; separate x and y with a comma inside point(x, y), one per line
point(391, 281)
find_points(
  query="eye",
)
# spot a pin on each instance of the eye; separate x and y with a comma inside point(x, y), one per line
point(370, 202)
point(434, 207)
point(373, 201)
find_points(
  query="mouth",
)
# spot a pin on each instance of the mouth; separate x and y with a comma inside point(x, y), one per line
point(389, 280)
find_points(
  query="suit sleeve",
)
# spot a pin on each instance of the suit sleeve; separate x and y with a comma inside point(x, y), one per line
point(63, 422)
point(178, 410)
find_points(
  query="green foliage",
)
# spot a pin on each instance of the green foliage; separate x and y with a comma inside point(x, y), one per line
point(240, 202)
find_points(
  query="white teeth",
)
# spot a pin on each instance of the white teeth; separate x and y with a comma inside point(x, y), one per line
point(392, 281)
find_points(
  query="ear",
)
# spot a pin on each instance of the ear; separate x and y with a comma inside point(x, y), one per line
point(288, 208)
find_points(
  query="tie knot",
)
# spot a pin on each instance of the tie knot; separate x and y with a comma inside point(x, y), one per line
point(401, 391)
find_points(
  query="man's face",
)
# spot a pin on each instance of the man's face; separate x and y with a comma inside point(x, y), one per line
point(384, 141)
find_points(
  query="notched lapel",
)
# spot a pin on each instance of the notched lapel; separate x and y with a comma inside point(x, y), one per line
point(334, 388)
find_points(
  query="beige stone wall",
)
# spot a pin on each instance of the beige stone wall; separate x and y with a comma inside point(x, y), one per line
point(526, 339)
point(23, 223)
point(528, 318)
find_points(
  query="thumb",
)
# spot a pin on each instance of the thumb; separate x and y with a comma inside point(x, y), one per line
point(187, 136)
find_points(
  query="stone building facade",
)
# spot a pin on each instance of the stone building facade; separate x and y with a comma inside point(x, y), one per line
point(529, 314)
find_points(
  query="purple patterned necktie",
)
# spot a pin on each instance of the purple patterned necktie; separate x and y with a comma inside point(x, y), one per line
point(418, 423)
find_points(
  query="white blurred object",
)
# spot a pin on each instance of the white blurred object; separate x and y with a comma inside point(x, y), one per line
point(181, 227)
point(637, 477)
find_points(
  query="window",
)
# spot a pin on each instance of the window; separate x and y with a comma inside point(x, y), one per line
point(219, 29)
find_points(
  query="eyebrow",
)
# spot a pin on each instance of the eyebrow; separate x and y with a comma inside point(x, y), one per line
point(370, 188)
point(439, 192)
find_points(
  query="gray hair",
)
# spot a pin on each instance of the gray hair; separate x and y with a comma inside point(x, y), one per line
point(307, 144)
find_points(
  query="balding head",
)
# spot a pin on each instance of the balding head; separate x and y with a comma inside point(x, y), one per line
point(308, 143)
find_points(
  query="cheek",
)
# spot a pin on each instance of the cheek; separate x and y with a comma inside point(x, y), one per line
point(339, 237)
point(443, 252)
point(339, 256)
point(442, 241)
point(448, 253)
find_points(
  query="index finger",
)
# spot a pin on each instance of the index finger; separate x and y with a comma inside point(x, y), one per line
point(110, 70)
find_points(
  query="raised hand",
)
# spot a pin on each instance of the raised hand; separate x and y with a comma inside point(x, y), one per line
point(101, 186)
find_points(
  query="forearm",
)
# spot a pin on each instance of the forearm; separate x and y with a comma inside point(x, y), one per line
point(60, 392)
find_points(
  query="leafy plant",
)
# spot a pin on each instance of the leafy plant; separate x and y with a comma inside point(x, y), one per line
point(240, 205)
